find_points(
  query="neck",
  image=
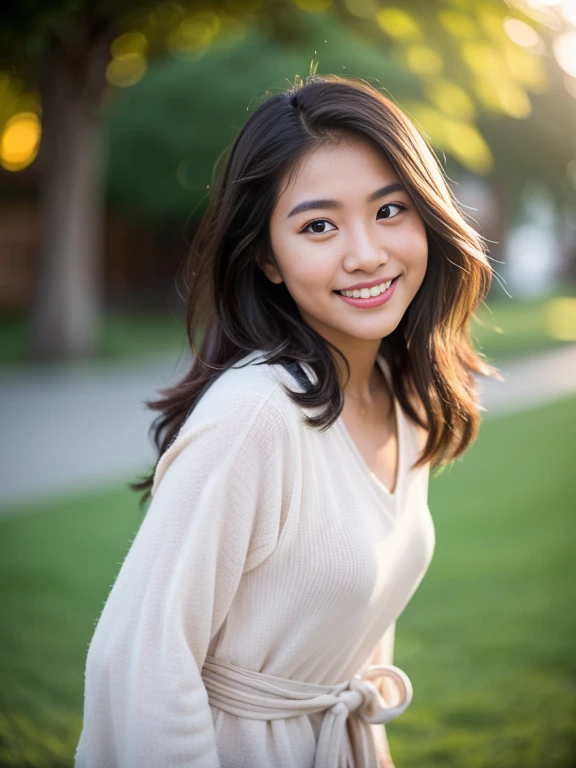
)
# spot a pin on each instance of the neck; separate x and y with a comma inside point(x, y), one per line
point(363, 379)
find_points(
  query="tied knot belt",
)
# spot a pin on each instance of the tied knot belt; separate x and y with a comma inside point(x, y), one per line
point(259, 696)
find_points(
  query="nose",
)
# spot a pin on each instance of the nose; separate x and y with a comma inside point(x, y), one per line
point(365, 251)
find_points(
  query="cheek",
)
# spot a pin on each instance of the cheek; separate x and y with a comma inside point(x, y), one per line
point(306, 265)
point(414, 246)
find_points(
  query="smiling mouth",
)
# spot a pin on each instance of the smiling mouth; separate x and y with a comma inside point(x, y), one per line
point(366, 293)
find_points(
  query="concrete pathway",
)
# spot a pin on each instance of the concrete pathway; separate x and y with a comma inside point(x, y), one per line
point(71, 427)
point(531, 382)
point(84, 426)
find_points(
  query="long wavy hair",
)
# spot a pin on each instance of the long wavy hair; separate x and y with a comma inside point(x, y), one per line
point(234, 309)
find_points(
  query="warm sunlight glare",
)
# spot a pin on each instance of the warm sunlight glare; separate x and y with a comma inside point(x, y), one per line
point(564, 47)
point(521, 33)
point(20, 141)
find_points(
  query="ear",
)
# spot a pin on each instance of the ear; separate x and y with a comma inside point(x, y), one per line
point(270, 269)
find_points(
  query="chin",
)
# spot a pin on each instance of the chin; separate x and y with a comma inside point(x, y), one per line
point(376, 332)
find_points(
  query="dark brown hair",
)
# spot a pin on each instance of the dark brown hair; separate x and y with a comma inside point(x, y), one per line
point(235, 309)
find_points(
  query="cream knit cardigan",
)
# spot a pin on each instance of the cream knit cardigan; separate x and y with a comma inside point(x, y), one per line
point(269, 547)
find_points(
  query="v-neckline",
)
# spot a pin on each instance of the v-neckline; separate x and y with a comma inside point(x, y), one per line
point(399, 440)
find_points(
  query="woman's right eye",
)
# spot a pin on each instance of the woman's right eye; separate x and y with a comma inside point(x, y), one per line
point(314, 224)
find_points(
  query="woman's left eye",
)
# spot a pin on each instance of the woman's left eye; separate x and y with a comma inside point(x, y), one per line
point(389, 212)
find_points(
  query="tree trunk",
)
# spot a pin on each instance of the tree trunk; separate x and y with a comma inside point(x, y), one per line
point(67, 307)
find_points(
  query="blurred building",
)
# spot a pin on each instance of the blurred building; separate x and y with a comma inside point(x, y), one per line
point(139, 267)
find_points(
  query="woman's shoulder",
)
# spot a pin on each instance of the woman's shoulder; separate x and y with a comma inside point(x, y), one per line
point(241, 408)
point(248, 385)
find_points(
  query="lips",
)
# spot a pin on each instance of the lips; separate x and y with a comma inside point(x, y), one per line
point(392, 282)
point(371, 301)
point(361, 286)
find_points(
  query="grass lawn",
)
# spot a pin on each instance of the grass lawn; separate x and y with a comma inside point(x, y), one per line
point(488, 638)
point(123, 335)
point(506, 328)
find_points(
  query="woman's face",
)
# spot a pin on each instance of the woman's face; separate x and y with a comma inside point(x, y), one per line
point(351, 230)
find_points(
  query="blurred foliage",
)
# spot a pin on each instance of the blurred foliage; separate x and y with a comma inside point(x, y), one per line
point(123, 336)
point(469, 73)
point(487, 639)
point(166, 132)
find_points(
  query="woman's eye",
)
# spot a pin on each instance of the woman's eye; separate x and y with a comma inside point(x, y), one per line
point(389, 212)
point(317, 223)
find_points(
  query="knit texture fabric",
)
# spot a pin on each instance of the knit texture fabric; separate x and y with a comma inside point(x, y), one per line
point(267, 544)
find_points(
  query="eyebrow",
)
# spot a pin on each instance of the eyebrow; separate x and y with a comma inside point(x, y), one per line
point(310, 205)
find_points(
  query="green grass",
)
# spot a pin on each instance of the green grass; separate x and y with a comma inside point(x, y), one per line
point(123, 335)
point(504, 328)
point(488, 638)
point(57, 563)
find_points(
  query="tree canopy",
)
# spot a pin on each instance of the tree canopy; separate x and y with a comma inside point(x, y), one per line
point(479, 77)
point(166, 132)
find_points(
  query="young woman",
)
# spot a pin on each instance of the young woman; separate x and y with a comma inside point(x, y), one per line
point(332, 281)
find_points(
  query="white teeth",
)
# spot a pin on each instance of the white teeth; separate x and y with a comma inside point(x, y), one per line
point(366, 293)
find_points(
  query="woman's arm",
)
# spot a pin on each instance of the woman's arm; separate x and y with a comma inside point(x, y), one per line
point(383, 653)
point(220, 492)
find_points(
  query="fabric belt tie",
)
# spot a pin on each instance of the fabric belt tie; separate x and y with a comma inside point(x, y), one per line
point(259, 696)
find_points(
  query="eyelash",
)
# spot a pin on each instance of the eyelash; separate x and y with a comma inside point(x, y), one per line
point(316, 221)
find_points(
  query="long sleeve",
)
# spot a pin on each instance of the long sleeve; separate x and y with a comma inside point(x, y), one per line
point(219, 497)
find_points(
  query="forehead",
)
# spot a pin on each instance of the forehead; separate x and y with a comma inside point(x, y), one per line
point(352, 166)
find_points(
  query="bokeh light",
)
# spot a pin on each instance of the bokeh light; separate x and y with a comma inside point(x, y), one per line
point(451, 99)
point(568, 10)
point(458, 137)
point(564, 46)
point(362, 9)
point(423, 60)
point(458, 24)
point(194, 34)
point(491, 22)
point(526, 68)
point(131, 42)
point(561, 318)
point(398, 24)
point(521, 33)
point(20, 141)
point(493, 84)
point(538, 12)
point(467, 145)
point(126, 70)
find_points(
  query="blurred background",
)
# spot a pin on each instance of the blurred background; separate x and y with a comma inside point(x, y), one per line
point(111, 118)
